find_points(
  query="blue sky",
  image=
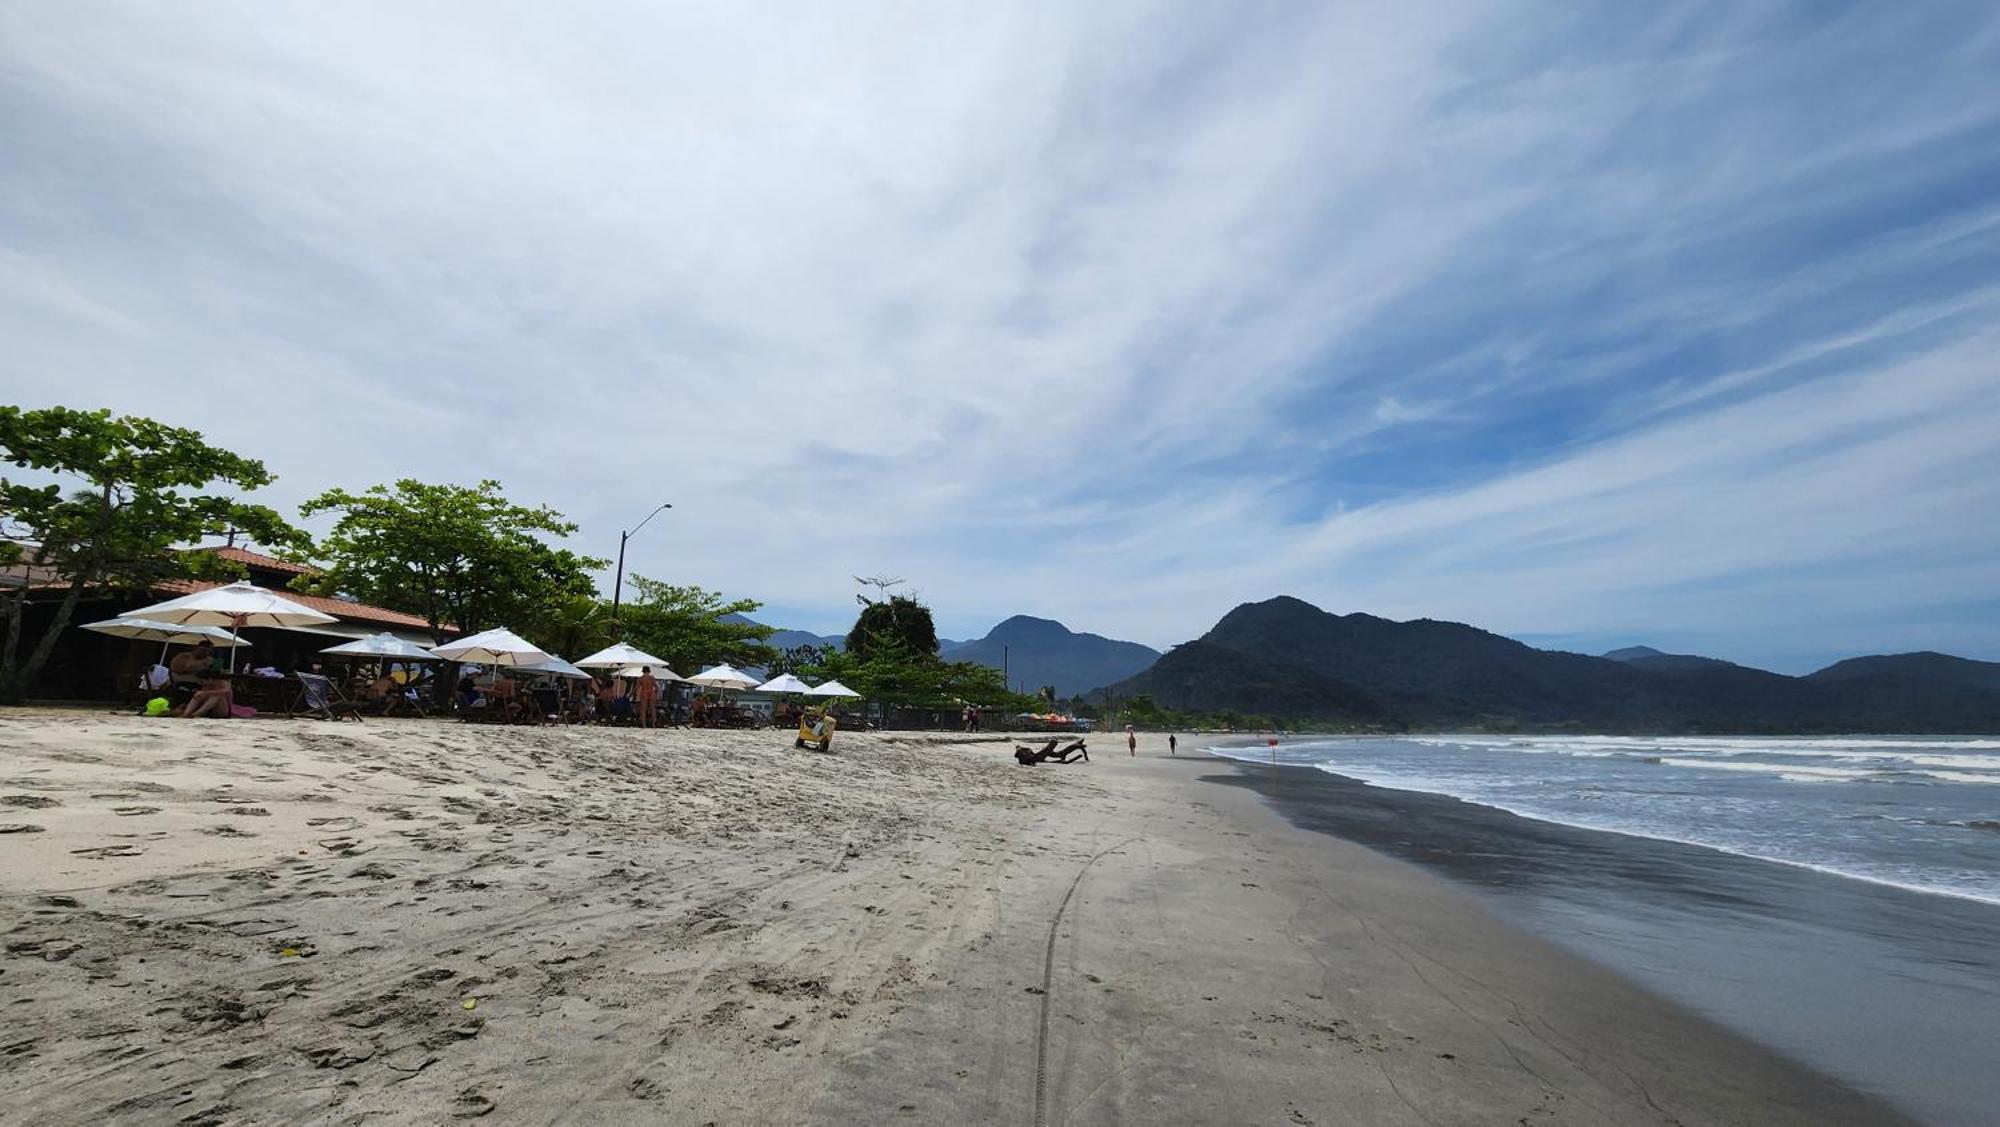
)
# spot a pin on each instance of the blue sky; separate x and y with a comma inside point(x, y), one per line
point(1588, 324)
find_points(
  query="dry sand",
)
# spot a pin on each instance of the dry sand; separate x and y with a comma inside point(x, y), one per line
point(285, 922)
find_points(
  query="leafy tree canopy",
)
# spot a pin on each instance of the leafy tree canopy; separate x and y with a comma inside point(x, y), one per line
point(898, 620)
point(137, 489)
point(690, 626)
point(891, 657)
point(807, 657)
point(571, 625)
point(464, 558)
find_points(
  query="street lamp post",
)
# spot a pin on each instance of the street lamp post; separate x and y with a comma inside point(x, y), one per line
point(618, 585)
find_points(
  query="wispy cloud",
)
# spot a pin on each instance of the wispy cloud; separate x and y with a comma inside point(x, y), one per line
point(1558, 321)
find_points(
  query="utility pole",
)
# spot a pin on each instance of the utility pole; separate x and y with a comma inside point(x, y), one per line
point(1004, 675)
point(618, 584)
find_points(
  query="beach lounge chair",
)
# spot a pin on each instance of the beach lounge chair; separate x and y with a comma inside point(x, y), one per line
point(319, 697)
point(1028, 756)
point(816, 734)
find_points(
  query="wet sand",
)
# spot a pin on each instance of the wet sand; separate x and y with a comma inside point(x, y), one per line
point(1892, 990)
point(266, 922)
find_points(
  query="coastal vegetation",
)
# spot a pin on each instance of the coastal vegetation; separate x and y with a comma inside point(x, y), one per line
point(112, 497)
point(462, 558)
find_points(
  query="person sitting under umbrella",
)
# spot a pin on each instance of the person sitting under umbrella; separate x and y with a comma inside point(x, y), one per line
point(190, 667)
point(215, 697)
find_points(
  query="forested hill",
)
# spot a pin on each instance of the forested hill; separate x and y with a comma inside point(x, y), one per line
point(1040, 651)
point(1286, 657)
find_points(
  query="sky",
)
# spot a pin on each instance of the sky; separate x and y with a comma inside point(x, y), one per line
point(1590, 324)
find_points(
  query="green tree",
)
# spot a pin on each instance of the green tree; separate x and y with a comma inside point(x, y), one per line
point(807, 657)
point(898, 620)
point(692, 627)
point(891, 658)
point(462, 558)
point(143, 489)
point(572, 625)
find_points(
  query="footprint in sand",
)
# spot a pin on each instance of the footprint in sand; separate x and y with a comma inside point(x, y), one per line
point(104, 851)
point(28, 801)
point(20, 828)
point(134, 811)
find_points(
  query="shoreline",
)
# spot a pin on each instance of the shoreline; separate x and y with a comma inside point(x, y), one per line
point(1620, 831)
point(711, 927)
point(1888, 987)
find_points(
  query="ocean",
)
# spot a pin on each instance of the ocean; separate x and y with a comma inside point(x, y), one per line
point(1835, 898)
point(1917, 813)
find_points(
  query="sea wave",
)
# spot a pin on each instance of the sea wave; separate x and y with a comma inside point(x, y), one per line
point(1343, 758)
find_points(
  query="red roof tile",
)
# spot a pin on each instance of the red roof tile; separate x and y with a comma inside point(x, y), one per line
point(258, 560)
point(339, 608)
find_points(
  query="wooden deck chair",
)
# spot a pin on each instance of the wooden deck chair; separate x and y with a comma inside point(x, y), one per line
point(320, 698)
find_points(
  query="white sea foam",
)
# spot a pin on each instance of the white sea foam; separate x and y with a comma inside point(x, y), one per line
point(1747, 824)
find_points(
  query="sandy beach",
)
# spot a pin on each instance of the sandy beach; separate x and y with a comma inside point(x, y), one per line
point(271, 922)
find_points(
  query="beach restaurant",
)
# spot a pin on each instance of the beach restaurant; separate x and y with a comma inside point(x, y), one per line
point(91, 666)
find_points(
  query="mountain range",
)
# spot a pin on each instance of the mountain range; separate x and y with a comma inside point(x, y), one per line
point(1034, 652)
point(1287, 658)
point(1039, 651)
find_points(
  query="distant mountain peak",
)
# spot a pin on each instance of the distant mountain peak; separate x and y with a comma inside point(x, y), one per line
point(1041, 651)
point(1634, 653)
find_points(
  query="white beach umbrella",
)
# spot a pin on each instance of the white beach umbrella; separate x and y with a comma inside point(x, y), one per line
point(621, 654)
point(832, 689)
point(784, 683)
point(557, 666)
point(724, 677)
point(498, 646)
point(234, 605)
point(660, 672)
point(382, 645)
point(165, 633)
point(147, 630)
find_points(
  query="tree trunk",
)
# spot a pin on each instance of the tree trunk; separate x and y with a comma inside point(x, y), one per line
point(17, 685)
point(16, 608)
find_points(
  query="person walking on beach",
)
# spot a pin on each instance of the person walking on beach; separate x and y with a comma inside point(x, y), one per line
point(1173, 744)
point(1131, 741)
point(649, 696)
